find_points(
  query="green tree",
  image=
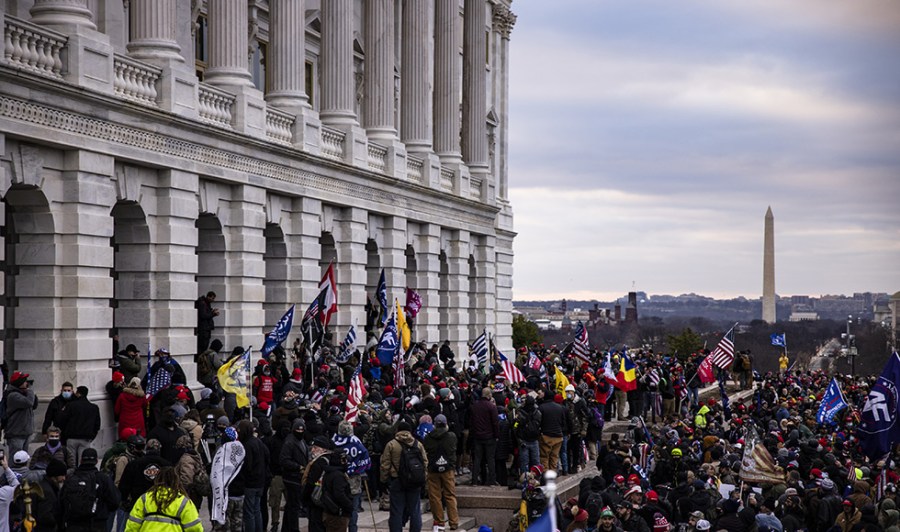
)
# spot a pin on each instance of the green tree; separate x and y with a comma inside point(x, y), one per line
point(525, 332)
point(685, 343)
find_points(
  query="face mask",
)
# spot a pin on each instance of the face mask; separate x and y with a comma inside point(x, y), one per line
point(53, 441)
point(67, 395)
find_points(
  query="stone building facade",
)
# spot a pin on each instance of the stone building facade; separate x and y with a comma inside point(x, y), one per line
point(153, 150)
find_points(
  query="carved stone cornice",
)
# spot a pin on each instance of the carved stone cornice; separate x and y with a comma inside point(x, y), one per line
point(423, 205)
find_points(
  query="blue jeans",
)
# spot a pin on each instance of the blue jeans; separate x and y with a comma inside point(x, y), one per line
point(564, 455)
point(252, 512)
point(694, 395)
point(354, 515)
point(529, 455)
point(405, 505)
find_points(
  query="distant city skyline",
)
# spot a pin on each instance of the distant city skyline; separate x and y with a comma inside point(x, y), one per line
point(648, 138)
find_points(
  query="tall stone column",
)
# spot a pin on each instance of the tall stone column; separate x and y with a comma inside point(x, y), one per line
point(154, 39)
point(338, 102)
point(504, 20)
point(458, 300)
point(446, 81)
point(153, 24)
point(429, 282)
point(305, 250)
point(63, 14)
point(416, 78)
point(351, 235)
point(378, 84)
point(229, 64)
point(287, 65)
point(171, 218)
point(485, 288)
point(474, 118)
point(243, 225)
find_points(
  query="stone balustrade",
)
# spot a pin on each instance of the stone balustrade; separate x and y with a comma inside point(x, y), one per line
point(279, 125)
point(475, 188)
point(33, 48)
point(415, 169)
point(215, 106)
point(332, 143)
point(377, 157)
point(135, 80)
point(446, 179)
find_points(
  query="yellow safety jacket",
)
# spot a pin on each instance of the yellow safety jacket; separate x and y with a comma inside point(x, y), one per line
point(180, 515)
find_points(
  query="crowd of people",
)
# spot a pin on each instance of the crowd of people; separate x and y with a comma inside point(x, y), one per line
point(316, 435)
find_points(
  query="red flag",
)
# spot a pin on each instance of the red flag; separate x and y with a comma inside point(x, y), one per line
point(413, 303)
point(705, 371)
point(329, 305)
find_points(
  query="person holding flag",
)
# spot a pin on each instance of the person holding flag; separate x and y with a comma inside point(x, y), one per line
point(832, 403)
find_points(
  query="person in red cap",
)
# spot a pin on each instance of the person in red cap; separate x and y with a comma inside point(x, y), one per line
point(20, 405)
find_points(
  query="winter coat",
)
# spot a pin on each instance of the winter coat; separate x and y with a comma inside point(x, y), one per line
point(554, 419)
point(390, 459)
point(82, 420)
point(336, 494)
point(188, 466)
point(139, 476)
point(20, 405)
point(888, 516)
point(505, 442)
point(484, 423)
point(256, 463)
point(180, 515)
point(859, 495)
point(53, 415)
point(167, 437)
point(700, 418)
point(46, 509)
point(194, 430)
point(130, 367)
point(846, 521)
point(294, 458)
point(130, 411)
point(107, 499)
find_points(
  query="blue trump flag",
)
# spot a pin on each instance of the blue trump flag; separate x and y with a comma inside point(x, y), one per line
point(832, 402)
point(546, 522)
point(381, 296)
point(389, 343)
point(879, 430)
point(779, 339)
point(280, 332)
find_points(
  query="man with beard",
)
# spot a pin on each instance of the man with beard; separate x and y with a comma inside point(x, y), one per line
point(631, 521)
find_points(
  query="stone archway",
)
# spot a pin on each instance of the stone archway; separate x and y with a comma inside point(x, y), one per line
point(29, 264)
point(133, 292)
point(277, 279)
point(212, 269)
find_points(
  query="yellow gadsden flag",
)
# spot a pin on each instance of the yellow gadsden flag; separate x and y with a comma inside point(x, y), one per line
point(234, 377)
point(402, 327)
point(561, 382)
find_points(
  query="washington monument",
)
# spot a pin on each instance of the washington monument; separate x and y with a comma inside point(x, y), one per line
point(768, 299)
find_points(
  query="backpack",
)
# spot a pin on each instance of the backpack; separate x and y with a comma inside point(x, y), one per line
point(594, 506)
point(745, 362)
point(411, 472)
point(79, 496)
point(596, 421)
point(530, 429)
point(204, 366)
point(201, 484)
point(440, 464)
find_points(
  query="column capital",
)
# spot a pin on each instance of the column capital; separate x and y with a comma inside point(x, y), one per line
point(503, 20)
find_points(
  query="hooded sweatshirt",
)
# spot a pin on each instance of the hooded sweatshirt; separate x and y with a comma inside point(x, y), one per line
point(889, 517)
point(390, 460)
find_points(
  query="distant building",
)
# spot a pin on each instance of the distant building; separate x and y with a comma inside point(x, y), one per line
point(804, 315)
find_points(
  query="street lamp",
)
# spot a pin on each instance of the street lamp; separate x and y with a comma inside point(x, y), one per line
point(850, 345)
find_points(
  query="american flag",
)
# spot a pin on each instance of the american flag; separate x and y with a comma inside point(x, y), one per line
point(723, 355)
point(399, 369)
point(357, 391)
point(158, 381)
point(510, 371)
point(882, 483)
point(480, 348)
point(654, 377)
point(644, 455)
point(580, 347)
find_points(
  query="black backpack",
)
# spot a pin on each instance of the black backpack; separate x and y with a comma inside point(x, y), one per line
point(530, 428)
point(412, 467)
point(80, 496)
point(594, 506)
point(440, 463)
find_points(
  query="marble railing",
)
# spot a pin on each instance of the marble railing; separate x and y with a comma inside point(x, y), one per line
point(332, 143)
point(278, 125)
point(475, 188)
point(377, 157)
point(32, 47)
point(414, 168)
point(215, 105)
point(447, 179)
point(135, 80)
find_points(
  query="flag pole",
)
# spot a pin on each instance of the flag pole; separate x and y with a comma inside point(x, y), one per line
point(250, 381)
point(550, 476)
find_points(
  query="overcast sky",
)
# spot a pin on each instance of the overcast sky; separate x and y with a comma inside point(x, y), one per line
point(649, 137)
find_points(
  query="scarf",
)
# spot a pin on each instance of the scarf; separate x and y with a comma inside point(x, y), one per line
point(226, 465)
